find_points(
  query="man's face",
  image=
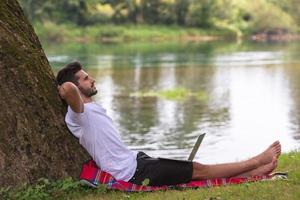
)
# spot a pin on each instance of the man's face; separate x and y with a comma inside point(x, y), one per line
point(86, 84)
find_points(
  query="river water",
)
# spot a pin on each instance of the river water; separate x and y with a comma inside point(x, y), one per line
point(249, 94)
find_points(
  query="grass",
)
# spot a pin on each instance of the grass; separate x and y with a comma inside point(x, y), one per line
point(107, 33)
point(71, 189)
point(176, 94)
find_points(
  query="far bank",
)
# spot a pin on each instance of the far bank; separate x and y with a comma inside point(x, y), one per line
point(109, 33)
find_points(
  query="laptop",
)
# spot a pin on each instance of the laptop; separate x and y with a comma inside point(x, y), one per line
point(194, 150)
point(196, 147)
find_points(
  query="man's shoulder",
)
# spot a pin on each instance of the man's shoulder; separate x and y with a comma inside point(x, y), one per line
point(91, 106)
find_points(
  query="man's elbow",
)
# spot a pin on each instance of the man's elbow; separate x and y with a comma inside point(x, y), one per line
point(67, 90)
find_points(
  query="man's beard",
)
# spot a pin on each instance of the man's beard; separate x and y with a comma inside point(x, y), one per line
point(88, 92)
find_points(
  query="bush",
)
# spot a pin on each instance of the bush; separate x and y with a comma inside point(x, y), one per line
point(263, 16)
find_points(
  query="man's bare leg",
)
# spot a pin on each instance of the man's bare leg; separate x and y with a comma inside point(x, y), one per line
point(201, 171)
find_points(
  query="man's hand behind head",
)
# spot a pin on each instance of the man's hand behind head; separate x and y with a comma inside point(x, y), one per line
point(69, 92)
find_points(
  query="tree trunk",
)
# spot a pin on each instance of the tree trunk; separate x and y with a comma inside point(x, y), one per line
point(34, 140)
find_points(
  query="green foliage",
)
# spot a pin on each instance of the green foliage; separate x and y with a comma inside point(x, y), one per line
point(239, 16)
point(108, 32)
point(236, 17)
point(290, 7)
point(75, 11)
point(202, 13)
point(45, 189)
point(181, 10)
point(52, 32)
point(146, 182)
point(265, 16)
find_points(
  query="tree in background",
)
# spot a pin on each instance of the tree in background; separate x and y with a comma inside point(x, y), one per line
point(120, 10)
point(34, 9)
point(150, 10)
point(75, 11)
point(181, 10)
point(134, 11)
point(142, 11)
point(202, 13)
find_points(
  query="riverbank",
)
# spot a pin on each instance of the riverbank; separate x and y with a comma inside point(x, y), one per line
point(49, 32)
point(70, 189)
point(108, 33)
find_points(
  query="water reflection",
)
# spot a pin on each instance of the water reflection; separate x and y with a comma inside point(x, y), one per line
point(252, 96)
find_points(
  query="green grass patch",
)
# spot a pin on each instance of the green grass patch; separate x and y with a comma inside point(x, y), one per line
point(176, 94)
point(71, 189)
point(45, 189)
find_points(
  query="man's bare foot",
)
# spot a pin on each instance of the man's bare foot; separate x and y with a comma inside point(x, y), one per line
point(277, 146)
point(266, 157)
point(263, 170)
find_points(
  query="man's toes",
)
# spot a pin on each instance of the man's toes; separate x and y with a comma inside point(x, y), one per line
point(275, 144)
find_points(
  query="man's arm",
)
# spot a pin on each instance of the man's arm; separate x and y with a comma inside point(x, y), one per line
point(70, 93)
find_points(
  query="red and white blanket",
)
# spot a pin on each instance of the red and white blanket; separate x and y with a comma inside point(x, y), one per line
point(94, 176)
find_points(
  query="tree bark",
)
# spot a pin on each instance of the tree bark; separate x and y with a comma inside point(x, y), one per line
point(34, 140)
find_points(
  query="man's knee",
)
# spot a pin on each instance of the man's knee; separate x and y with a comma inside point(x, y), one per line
point(198, 170)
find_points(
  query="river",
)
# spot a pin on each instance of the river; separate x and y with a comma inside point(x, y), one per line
point(243, 95)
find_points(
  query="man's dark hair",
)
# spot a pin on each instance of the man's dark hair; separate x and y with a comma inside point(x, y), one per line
point(67, 74)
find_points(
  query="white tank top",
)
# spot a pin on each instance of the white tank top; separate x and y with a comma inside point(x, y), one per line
point(98, 135)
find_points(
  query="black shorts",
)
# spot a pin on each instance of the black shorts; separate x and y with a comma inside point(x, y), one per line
point(161, 171)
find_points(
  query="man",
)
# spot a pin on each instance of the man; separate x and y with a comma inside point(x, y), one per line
point(88, 121)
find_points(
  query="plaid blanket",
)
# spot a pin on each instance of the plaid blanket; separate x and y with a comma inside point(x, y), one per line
point(94, 176)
